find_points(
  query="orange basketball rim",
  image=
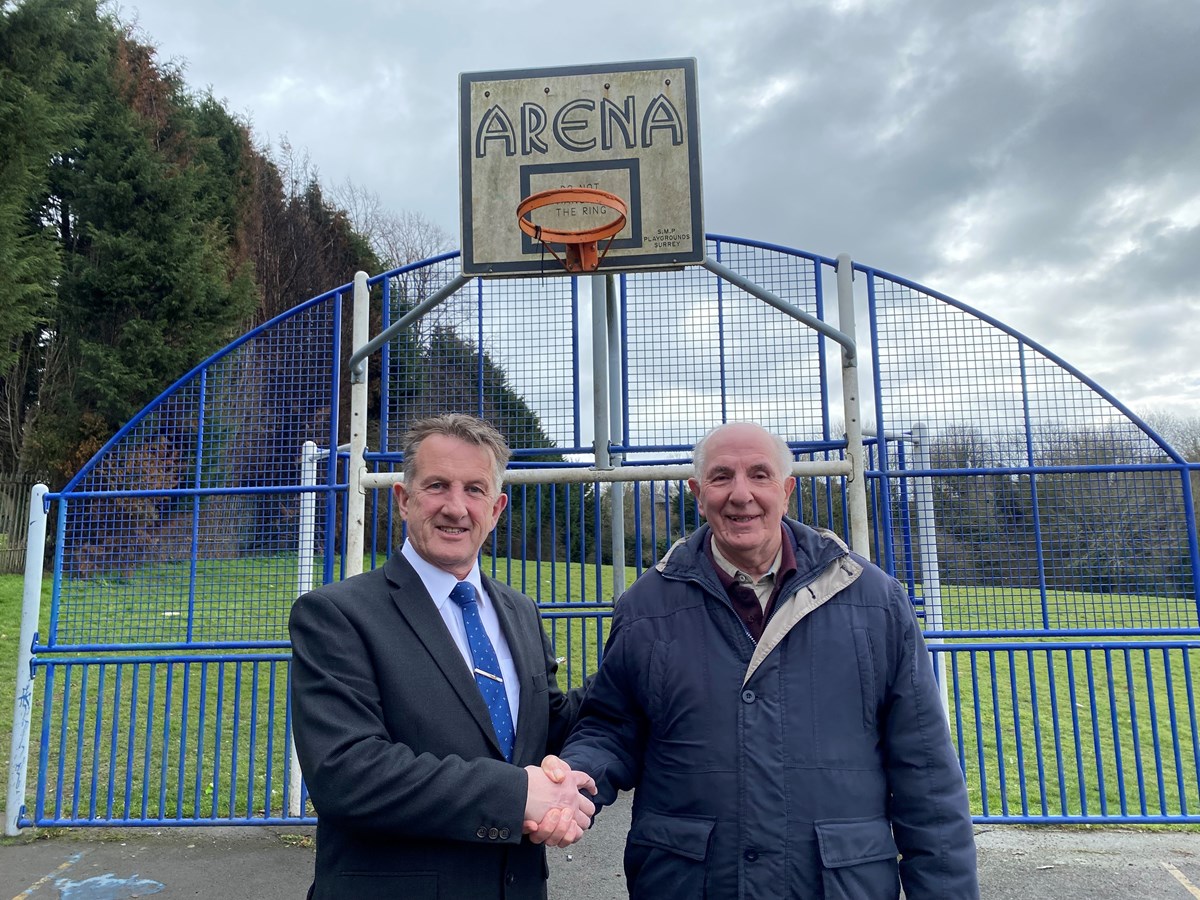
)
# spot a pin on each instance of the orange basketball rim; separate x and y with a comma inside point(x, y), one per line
point(582, 244)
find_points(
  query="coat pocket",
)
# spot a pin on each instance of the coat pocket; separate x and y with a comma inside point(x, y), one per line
point(667, 856)
point(858, 859)
point(866, 675)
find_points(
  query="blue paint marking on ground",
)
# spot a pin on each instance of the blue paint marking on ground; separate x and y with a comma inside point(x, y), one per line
point(28, 892)
point(107, 887)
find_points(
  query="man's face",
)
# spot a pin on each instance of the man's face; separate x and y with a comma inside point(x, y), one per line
point(452, 504)
point(743, 495)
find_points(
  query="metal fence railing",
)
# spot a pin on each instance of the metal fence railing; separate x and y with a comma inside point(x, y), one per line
point(1046, 536)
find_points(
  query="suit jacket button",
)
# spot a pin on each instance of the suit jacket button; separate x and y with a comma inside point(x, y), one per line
point(481, 833)
point(510, 879)
point(504, 834)
point(493, 833)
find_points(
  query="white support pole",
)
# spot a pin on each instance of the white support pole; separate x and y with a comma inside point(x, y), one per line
point(857, 488)
point(304, 583)
point(600, 430)
point(815, 468)
point(616, 420)
point(356, 500)
point(931, 581)
point(308, 518)
point(31, 607)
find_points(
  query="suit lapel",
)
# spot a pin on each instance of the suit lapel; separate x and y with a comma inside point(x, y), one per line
point(526, 656)
point(417, 608)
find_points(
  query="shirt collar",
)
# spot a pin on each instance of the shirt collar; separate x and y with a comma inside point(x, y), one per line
point(782, 568)
point(438, 582)
point(737, 574)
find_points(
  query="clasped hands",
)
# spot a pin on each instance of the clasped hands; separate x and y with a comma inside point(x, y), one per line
point(557, 812)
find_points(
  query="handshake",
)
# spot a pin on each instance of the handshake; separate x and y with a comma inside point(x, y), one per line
point(557, 812)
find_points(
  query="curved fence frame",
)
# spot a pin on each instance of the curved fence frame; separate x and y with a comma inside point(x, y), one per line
point(1046, 535)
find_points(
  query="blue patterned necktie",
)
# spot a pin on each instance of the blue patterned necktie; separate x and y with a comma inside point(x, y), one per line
point(486, 667)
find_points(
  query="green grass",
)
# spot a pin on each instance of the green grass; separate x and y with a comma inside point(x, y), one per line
point(186, 758)
point(996, 608)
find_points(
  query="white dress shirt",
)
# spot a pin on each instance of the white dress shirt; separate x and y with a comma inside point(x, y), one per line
point(439, 584)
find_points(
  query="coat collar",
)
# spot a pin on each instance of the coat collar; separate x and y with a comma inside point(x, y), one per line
point(815, 551)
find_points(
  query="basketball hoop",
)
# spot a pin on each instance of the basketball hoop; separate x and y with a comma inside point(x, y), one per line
point(582, 254)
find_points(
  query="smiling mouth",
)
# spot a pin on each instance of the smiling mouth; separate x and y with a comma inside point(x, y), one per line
point(451, 530)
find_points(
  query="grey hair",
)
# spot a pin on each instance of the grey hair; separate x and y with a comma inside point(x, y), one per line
point(782, 451)
point(456, 425)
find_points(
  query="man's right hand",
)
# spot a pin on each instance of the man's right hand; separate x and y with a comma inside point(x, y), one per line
point(556, 811)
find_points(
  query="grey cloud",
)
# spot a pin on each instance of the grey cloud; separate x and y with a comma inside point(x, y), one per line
point(981, 149)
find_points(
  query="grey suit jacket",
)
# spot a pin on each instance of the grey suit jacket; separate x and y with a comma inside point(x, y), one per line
point(413, 796)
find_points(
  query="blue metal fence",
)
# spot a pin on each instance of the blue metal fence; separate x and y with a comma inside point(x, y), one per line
point(1045, 534)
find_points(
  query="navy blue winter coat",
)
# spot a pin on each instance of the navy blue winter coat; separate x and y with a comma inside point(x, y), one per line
point(800, 767)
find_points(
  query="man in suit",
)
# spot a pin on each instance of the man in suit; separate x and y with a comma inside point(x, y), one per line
point(421, 689)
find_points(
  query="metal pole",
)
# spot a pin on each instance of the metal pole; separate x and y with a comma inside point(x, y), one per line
point(355, 498)
point(31, 606)
point(931, 580)
point(358, 359)
point(856, 490)
point(304, 579)
point(846, 339)
point(601, 435)
point(600, 430)
point(616, 420)
point(677, 472)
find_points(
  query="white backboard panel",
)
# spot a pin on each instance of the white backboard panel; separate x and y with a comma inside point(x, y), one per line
point(627, 128)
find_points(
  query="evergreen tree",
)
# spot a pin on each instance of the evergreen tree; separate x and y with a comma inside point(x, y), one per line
point(120, 217)
point(46, 48)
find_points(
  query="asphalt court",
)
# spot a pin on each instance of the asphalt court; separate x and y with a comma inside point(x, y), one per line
point(275, 862)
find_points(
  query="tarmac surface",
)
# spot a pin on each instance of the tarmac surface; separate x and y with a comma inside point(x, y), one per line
point(272, 863)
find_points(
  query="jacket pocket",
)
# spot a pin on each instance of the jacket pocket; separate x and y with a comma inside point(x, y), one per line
point(666, 856)
point(858, 859)
point(866, 675)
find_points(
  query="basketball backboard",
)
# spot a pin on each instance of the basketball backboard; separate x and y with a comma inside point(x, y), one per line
point(627, 128)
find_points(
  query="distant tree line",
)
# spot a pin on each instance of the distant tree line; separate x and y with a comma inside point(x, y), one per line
point(1101, 525)
point(1111, 529)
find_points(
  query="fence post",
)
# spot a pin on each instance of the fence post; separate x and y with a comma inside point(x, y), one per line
point(304, 569)
point(616, 432)
point(31, 606)
point(356, 499)
point(860, 538)
point(601, 406)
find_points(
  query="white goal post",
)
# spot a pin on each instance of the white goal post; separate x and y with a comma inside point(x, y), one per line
point(604, 357)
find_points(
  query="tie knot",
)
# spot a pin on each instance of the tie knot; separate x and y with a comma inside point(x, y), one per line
point(463, 593)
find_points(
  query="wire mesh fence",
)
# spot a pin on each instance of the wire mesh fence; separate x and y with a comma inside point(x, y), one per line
point(1046, 537)
point(1053, 508)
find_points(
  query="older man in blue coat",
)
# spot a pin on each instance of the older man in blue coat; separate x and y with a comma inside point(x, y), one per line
point(769, 695)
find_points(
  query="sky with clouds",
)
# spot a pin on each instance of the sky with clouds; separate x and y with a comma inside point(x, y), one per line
point(1039, 161)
